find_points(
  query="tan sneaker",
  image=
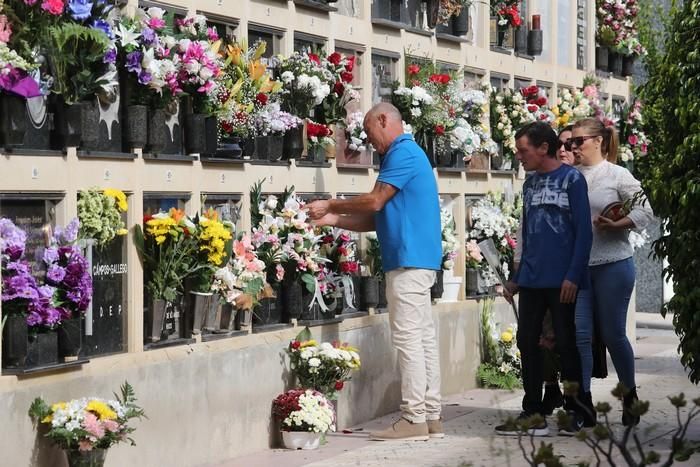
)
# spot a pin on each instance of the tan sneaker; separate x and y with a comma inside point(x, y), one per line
point(402, 430)
point(435, 429)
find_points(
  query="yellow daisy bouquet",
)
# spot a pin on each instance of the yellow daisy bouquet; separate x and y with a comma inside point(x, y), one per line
point(169, 249)
point(214, 242)
point(100, 214)
point(85, 424)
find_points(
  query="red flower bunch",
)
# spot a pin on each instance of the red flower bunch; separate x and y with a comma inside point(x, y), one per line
point(508, 13)
point(335, 58)
point(440, 79)
point(532, 96)
point(440, 130)
point(350, 65)
point(413, 69)
point(346, 76)
point(286, 403)
point(317, 130)
point(261, 98)
point(314, 58)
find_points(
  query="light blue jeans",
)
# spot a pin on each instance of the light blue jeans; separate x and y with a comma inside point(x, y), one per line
point(607, 299)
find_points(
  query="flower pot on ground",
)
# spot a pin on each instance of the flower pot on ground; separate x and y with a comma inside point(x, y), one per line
point(136, 126)
point(628, 65)
point(157, 131)
point(437, 289)
point(70, 339)
point(13, 120)
point(294, 143)
point(195, 133)
point(520, 40)
point(92, 458)
point(301, 439)
point(14, 341)
point(615, 63)
point(601, 58)
point(534, 42)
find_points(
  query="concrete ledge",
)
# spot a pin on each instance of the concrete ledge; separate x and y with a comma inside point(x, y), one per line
point(654, 321)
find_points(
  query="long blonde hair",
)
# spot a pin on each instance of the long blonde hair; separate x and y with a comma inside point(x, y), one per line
point(611, 142)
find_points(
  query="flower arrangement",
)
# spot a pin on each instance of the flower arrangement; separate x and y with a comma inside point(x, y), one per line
point(67, 276)
point(89, 423)
point(355, 133)
point(617, 26)
point(449, 239)
point(145, 45)
point(168, 249)
point(306, 83)
point(100, 214)
point(340, 249)
point(212, 237)
point(267, 225)
point(340, 68)
point(21, 295)
point(507, 13)
point(450, 8)
point(318, 135)
point(304, 410)
point(14, 68)
point(635, 142)
point(474, 257)
point(242, 280)
point(591, 92)
point(537, 104)
point(243, 95)
point(373, 255)
point(196, 53)
point(494, 217)
point(82, 49)
point(324, 367)
point(571, 107)
point(508, 114)
point(440, 109)
point(500, 367)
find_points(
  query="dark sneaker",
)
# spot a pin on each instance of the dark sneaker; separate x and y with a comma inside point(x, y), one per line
point(588, 411)
point(536, 426)
point(569, 423)
point(553, 398)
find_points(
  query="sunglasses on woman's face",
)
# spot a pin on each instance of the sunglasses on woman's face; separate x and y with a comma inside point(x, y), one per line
point(577, 141)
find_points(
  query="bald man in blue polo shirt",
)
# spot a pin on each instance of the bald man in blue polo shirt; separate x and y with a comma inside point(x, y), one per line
point(404, 209)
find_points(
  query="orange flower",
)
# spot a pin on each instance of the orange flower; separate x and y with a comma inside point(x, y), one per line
point(176, 214)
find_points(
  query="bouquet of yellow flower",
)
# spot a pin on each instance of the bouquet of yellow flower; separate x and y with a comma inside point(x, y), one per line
point(214, 241)
point(100, 214)
point(168, 249)
point(82, 425)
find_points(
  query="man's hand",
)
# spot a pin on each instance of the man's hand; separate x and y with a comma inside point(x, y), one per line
point(568, 292)
point(510, 289)
point(318, 209)
point(329, 219)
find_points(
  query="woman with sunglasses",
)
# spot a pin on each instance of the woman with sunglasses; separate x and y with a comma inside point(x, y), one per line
point(565, 154)
point(611, 264)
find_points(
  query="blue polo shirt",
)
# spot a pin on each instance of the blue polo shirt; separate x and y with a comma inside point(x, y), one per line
point(408, 227)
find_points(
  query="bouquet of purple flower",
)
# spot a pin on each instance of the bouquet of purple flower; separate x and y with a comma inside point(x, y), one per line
point(20, 292)
point(68, 273)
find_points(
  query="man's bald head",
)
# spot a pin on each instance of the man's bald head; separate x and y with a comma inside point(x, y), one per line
point(383, 124)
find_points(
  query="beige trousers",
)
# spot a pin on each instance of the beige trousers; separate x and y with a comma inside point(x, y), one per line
point(414, 337)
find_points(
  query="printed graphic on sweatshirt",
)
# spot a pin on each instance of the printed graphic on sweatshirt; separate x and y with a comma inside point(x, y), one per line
point(547, 202)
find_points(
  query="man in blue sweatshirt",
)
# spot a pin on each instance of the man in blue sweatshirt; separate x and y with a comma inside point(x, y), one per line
point(556, 243)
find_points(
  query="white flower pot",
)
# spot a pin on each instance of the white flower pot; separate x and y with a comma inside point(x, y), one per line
point(301, 439)
point(451, 289)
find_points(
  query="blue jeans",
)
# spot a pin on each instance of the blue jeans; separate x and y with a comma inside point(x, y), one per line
point(607, 299)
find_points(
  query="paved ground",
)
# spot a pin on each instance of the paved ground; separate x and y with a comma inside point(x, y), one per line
point(470, 418)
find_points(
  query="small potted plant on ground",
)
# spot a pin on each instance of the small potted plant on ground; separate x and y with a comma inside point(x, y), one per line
point(85, 428)
point(305, 416)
